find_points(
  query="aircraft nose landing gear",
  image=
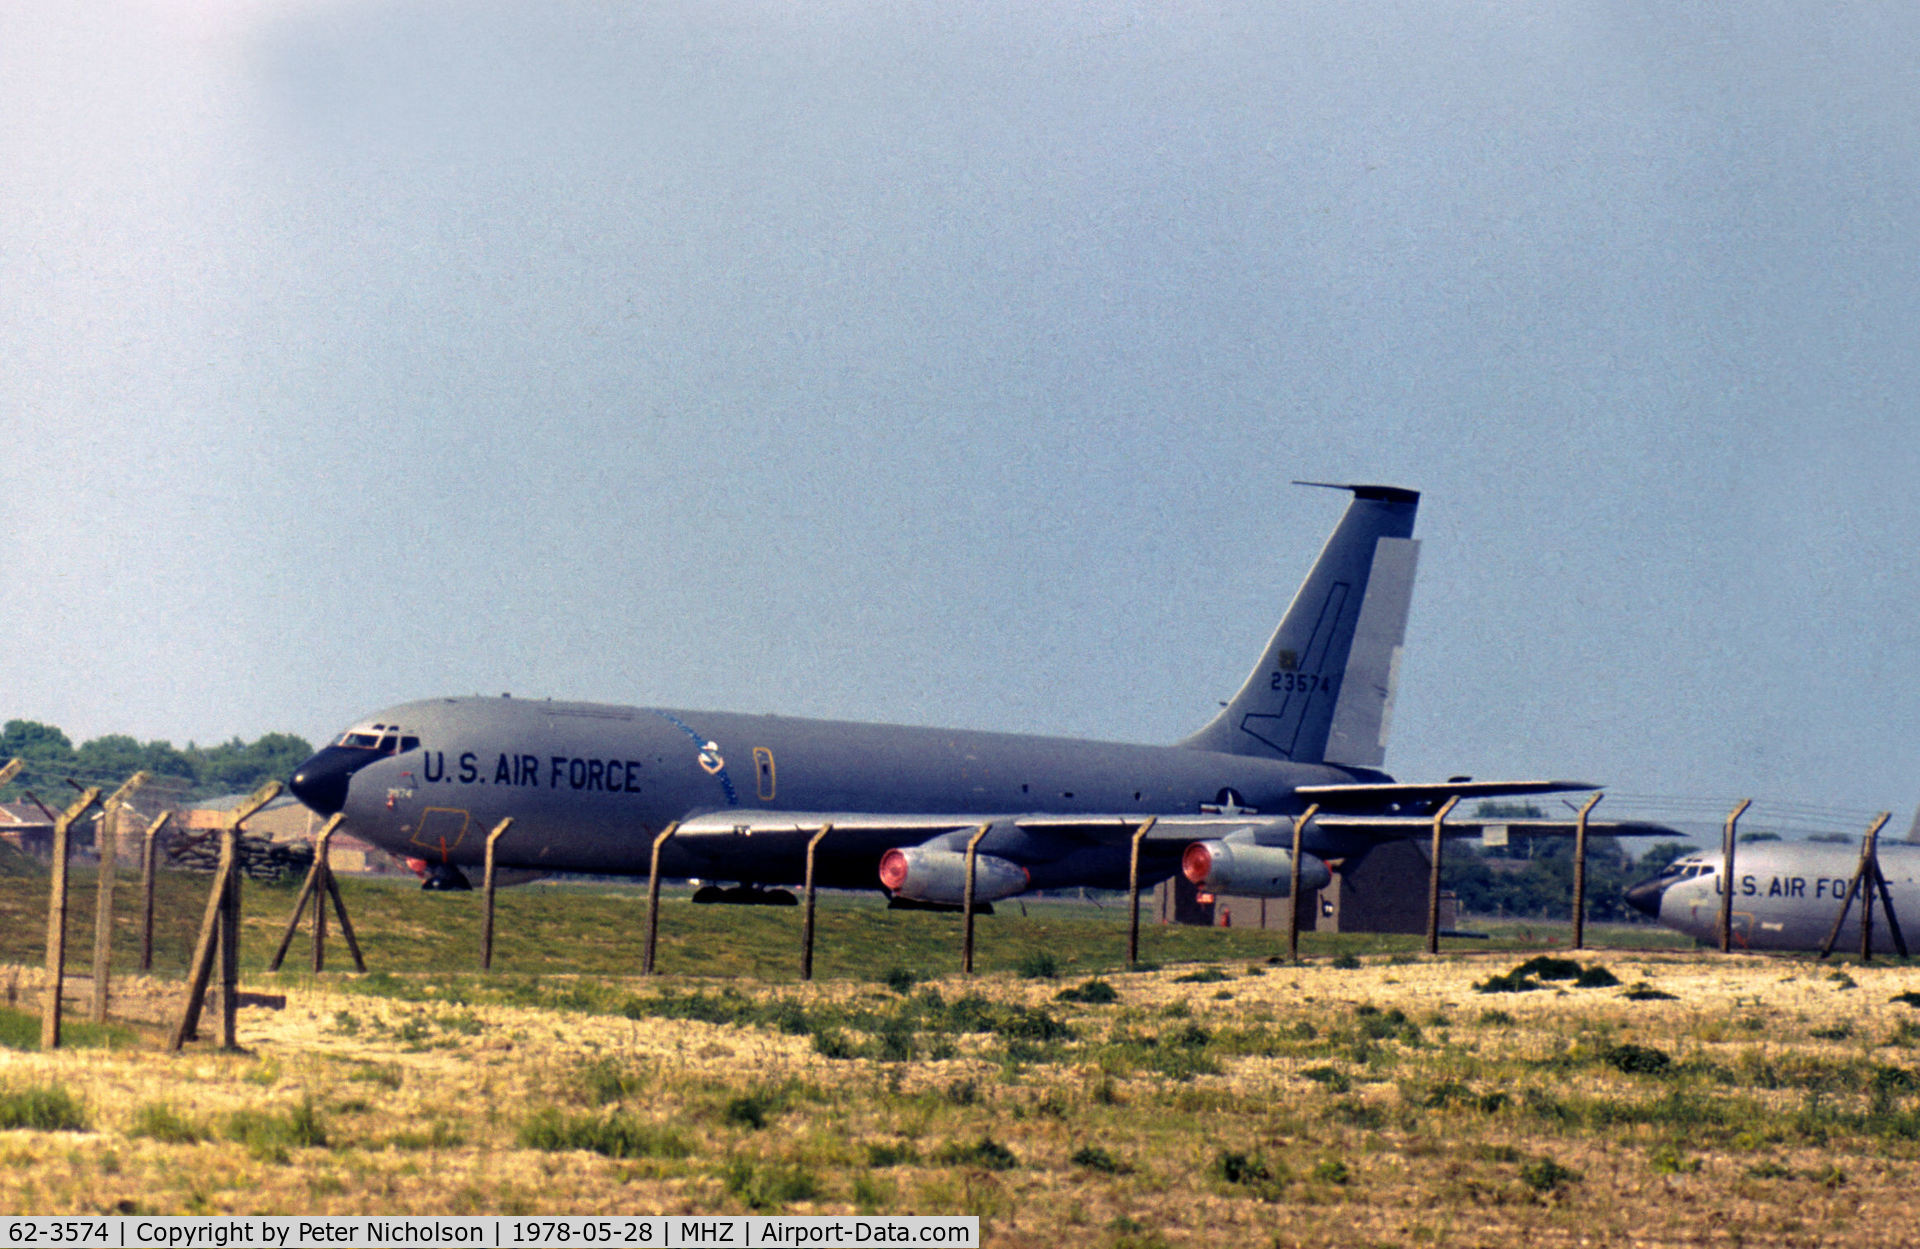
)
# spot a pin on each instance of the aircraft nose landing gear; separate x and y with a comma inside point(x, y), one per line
point(446, 878)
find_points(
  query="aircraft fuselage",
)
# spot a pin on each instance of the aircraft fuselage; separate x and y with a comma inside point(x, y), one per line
point(1786, 894)
point(589, 785)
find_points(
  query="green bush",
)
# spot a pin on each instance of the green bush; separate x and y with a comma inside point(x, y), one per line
point(892, 1154)
point(1543, 1175)
point(1636, 1059)
point(268, 1134)
point(1452, 1093)
point(893, 1041)
point(1094, 1158)
point(1039, 965)
point(1507, 982)
point(753, 1109)
point(1032, 1024)
point(1547, 967)
point(1206, 975)
point(1335, 1079)
point(985, 1153)
point(769, 1185)
point(1093, 993)
point(161, 1122)
point(1332, 1171)
point(1261, 1178)
point(1641, 991)
point(603, 1080)
point(616, 1135)
point(40, 1108)
point(833, 1043)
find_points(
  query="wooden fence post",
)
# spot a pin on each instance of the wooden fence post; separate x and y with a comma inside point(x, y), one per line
point(220, 929)
point(966, 901)
point(313, 888)
point(1293, 887)
point(1433, 877)
point(806, 921)
point(486, 906)
point(57, 917)
point(1133, 890)
point(653, 898)
point(107, 844)
point(1726, 875)
point(1580, 874)
point(1866, 879)
point(148, 866)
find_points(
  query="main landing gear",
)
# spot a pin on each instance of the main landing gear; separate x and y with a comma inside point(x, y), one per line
point(743, 895)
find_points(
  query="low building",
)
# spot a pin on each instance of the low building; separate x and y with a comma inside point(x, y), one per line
point(26, 827)
point(286, 821)
point(283, 819)
point(1386, 891)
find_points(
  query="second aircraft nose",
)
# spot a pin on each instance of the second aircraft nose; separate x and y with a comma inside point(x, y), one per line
point(1645, 896)
point(321, 782)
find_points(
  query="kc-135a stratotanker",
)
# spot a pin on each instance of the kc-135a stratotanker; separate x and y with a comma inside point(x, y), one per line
point(589, 785)
point(1786, 894)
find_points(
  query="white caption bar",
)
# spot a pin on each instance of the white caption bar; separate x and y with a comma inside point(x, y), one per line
point(556, 1232)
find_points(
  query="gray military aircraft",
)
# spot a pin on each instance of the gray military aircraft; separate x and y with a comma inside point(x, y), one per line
point(1786, 894)
point(589, 785)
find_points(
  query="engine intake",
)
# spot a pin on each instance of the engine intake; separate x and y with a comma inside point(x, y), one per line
point(1250, 870)
point(927, 874)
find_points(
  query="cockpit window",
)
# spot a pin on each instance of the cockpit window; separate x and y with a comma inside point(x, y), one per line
point(385, 738)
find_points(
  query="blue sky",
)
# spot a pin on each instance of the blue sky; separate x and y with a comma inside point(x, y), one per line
point(938, 365)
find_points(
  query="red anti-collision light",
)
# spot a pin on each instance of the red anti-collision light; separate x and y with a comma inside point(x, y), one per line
point(893, 868)
point(1196, 863)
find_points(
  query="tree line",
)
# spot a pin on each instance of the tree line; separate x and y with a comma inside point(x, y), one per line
point(1533, 878)
point(197, 771)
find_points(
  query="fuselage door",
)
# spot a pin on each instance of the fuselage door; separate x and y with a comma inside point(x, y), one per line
point(441, 829)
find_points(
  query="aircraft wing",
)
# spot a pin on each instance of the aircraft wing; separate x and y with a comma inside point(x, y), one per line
point(748, 824)
point(908, 829)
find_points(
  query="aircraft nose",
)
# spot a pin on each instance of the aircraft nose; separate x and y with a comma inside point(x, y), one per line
point(1645, 896)
point(321, 782)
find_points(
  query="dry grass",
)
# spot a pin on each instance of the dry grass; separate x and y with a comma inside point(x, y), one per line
point(1390, 1104)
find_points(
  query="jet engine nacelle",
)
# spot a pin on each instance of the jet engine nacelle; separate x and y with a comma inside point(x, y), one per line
point(930, 874)
point(1241, 867)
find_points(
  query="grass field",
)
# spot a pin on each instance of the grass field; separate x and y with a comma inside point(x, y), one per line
point(1368, 1096)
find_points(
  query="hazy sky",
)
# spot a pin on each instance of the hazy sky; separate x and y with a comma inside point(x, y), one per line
point(948, 364)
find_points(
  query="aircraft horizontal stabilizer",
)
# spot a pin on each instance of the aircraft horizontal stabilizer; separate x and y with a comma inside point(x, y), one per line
point(1412, 827)
point(1391, 795)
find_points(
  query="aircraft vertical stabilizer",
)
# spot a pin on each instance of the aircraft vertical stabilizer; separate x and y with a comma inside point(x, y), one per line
point(1363, 712)
point(1323, 687)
